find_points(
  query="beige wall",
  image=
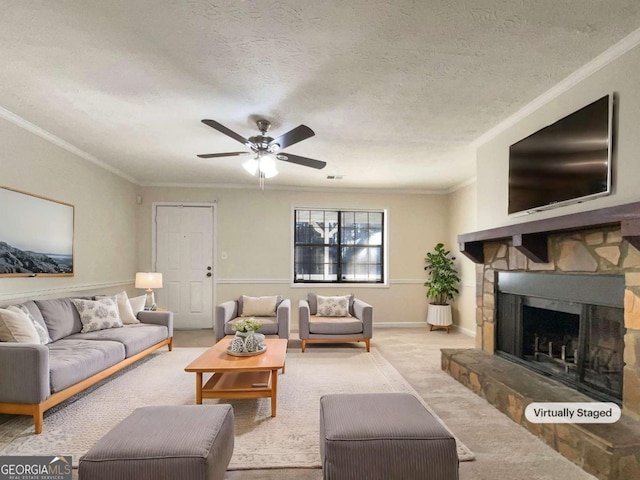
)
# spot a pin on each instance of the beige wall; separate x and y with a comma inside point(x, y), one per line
point(112, 237)
point(105, 229)
point(254, 229)
point(462, 208)
point(620, 77)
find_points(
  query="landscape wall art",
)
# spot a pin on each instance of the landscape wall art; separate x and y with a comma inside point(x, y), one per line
point(36, 235)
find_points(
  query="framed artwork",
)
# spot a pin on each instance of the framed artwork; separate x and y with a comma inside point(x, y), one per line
point(36, 235)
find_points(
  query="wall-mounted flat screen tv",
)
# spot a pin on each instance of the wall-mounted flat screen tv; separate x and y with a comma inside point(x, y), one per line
point(566, 162)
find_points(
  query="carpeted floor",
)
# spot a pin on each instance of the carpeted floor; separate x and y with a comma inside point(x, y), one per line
point(503, 449)
point(289, 440)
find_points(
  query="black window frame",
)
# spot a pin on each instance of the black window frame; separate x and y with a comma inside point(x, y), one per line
point(340, 245)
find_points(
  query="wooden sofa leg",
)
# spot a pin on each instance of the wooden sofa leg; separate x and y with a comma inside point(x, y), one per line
point(304, 345)
point(367, 342)
point(38, 418)
point(170, 344)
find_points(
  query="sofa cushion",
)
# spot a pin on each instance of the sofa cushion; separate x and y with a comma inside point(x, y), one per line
point(258, 306)
point(60, 316)
point(98, 314)
point(334, 325)
point(135, 338)
point(16, 327)
point(73, 360)
point(269, 325)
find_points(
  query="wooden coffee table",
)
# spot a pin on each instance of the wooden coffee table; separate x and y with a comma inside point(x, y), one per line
point(240, 377)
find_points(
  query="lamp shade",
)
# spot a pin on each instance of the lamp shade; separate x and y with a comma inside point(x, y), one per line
point(148, 280)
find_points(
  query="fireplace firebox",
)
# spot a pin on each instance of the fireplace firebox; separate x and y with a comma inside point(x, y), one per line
point(569, 327)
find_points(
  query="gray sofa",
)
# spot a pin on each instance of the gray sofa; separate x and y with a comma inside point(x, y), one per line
point(34, 378)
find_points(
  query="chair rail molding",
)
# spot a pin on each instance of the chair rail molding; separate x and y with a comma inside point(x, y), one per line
point(46, 292)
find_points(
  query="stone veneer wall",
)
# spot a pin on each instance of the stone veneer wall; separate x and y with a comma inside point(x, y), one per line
point(601, 251)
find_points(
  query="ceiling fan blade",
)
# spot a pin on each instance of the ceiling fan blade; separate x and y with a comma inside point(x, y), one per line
point(296, 135)
point(228, 154)
point(307, 162)
point(228, 132)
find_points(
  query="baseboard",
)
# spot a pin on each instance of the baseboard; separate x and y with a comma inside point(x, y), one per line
point(400, 324)
point(464, 331)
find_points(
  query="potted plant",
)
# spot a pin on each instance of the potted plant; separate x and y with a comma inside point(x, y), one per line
point(246, 339)
point(246, 325)
point(442, 286)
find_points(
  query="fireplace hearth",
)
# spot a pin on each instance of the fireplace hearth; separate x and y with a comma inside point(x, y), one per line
point(588, 246)
point(566, 326)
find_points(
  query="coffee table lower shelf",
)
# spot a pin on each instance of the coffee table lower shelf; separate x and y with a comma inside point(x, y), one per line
point(242, 385)
point(234, 377)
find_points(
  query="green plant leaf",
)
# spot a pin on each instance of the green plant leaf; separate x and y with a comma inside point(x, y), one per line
point(443, 276)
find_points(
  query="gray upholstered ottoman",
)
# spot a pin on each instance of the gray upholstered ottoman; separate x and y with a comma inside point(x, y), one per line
point(185, 442)
point(379, 436)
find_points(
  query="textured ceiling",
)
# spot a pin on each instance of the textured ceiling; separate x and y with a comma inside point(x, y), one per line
point(395, 90)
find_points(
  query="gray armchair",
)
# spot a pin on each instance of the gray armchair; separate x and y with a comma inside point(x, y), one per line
point(356, 326)
point(273, 323)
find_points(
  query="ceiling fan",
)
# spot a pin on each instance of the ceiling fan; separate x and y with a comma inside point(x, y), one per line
point(266, 148)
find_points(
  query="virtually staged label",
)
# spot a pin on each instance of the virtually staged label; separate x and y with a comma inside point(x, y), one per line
point(572, 412)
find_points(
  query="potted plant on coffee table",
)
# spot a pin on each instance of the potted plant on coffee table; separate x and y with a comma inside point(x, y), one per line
point(247, 339)
point(441, 286)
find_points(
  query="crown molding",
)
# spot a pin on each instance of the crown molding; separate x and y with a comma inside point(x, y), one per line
point(459, 186)
point(613, 53)
point(387, 191)
point(50, 137)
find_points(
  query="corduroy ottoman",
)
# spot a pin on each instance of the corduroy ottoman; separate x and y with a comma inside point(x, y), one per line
point(379, 436)
point(186, 442)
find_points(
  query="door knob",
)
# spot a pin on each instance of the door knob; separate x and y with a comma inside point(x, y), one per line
point(208, 268)
point(208, 274)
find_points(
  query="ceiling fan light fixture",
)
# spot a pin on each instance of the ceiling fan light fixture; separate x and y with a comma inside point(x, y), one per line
point(263, 164)
point(268, 166)
point(251, 166)
point(266, 149)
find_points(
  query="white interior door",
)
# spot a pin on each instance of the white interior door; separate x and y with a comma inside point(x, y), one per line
point(184, 256)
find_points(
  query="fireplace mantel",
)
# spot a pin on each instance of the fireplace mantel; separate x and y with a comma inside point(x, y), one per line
point(530, 238)
point(582, 244)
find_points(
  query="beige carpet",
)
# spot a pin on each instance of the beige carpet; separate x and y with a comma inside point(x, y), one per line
point(288, 440)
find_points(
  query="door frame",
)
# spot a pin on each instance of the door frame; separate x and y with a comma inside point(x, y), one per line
point(214, 241)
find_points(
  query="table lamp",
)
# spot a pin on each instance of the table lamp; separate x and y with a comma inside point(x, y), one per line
point(149, 281)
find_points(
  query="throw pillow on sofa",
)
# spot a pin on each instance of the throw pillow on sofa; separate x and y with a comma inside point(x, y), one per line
point(337, 306)
point(259, 306)
point(137, 304)
point(16, 327)
point(125, 310)
point(40, 330)
point(97, 314)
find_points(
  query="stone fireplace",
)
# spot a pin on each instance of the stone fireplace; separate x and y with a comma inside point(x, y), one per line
point(558, 319)
point(588, 253)
point(569, 327)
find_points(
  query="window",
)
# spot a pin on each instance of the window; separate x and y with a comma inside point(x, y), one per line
point(335, 246)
